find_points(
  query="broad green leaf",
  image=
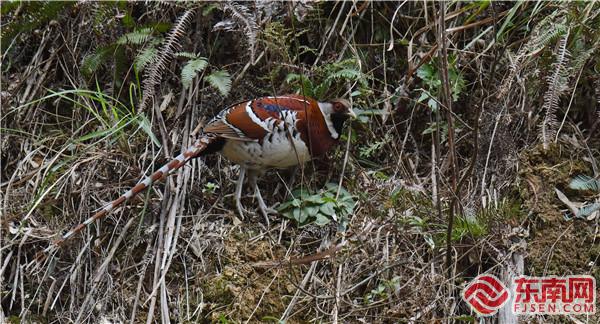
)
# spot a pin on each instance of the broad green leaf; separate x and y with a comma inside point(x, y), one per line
point(316, 199)
point(311, 210)
point(322, 220)
point(328, 209)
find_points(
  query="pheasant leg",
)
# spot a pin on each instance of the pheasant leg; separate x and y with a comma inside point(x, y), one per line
point(261, 203)
point(238, 192)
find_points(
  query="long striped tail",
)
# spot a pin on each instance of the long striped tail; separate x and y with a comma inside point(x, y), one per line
point(193, 151)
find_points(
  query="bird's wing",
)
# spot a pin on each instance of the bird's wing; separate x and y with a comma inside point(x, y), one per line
point(253, 120)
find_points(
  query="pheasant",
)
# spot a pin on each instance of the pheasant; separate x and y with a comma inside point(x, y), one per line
point(260, 134)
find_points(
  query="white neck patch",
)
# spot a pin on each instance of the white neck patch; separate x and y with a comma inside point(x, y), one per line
point(326, 110)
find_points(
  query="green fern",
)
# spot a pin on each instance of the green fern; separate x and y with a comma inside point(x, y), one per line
point(33, 15)
point(136, 37)
point(547, 32)
point(305, 86)
point(187, 55)
point(191, 69)
point(331, 75)
point(92, 62)
point(347, 74)
point(221, 80)
point(144, 57)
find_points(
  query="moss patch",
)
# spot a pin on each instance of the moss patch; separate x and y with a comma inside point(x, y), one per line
point(557, 246)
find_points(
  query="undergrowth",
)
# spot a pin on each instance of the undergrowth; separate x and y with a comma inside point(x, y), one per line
point(95, 95)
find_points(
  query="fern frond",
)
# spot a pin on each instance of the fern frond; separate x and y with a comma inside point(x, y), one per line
point(136, 37)
point(598, 95)
point(305, 86)
point(583, 182)
point(557, 85)
point(92, 62)
point(187, 55)
point(171, 46)
point(243, 17)
point(220, 80)
point(580, 58)
point(347, 74)
point(545, 33)
point(144, 57)
point(191, 69)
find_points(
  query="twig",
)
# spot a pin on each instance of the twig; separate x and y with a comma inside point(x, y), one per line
point(446, 98)
point(569, 106)
point(330, 34)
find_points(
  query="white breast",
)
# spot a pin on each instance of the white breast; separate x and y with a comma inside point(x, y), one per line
point(278, 150)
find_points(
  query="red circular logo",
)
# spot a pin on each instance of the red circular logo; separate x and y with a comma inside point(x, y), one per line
point(486, 294)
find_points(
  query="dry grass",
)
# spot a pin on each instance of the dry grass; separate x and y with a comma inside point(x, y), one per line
point(73, 141)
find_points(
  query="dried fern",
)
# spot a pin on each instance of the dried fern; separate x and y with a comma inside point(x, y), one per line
point(154, 75)
point(557, 85)
point(544, 34)
point(598, 96)
point(242, 16)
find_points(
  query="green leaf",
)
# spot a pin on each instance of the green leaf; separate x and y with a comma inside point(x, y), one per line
point(322, 220)
point(301, 193)
point(220, 80)
point(147, 128)
point(315, 199)
point(284, 206)
point(349, 205)
point(287, 214)
point(424, 95)
point(426, 72)
point(299, 215)
point(311, 211)
point(191, 69)
point(328, 209)
point(208, 9)
point(296, 202)
point(457, 83)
